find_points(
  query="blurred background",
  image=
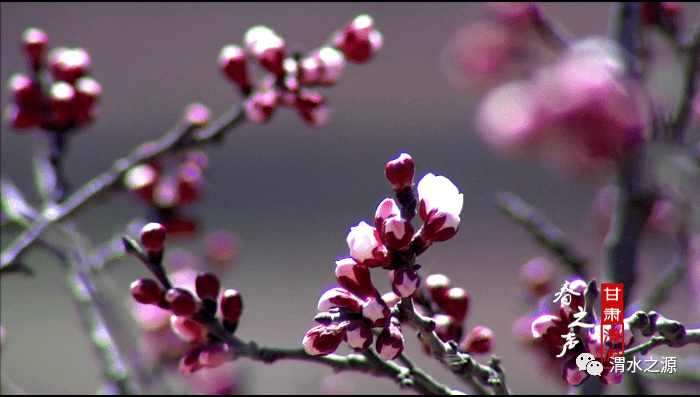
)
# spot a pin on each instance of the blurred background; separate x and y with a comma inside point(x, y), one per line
point(289, 192)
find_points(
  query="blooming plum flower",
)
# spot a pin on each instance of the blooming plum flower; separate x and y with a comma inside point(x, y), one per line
point(440, 206)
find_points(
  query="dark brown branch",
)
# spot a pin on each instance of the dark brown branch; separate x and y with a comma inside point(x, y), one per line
point(176, 139)
point(544, 232)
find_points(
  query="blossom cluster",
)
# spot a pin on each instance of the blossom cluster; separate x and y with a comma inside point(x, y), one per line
point(57, 94)
point(351, 311)
point(448, 307)
point(169, 183)
point(570, 104)
point(189, 301)
point(291, 76)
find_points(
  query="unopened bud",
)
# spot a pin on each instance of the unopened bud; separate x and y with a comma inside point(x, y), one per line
point(479, 340)
point(153, 236)
point(231, 305)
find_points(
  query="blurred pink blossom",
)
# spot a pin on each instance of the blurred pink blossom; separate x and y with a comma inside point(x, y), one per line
point(579, 115)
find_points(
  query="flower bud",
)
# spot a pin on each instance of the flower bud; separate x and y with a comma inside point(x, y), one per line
point(397, 233)
point(310, 70)
point(479, 341)
point(400, 171)
point(207, 286)
point(610, 377)
point(233, 62)
point(231, 305)
point(63, 103)
point(359, 335)
point(391, 299)
point(69, 64)
point(153, 236)
point(439, 194)
point(572, 375)
point(358, 40)
point(455, 303)
point(197, 115)
point(390, 342)
point(24, 91)
point(188, 330)
point(339, 297)
point(312, 107)
point(447, 328)
point(354, 277)
point(181, 302)
point(21, 118)
point(537, 276)
point(441, 226)
point(214, 354)
point(386, 209)
point(405, 282)
point(34, 43)
point(550, 328)
point(88, 93)
point(376, 310)
point(260, 107)
point(141, 179)
point(147, 291)
point(323, 340)
point(190, 361)
point(332, 64)
point(437, 286)
point(366, 246)
point(190, 182)
point(267, 48)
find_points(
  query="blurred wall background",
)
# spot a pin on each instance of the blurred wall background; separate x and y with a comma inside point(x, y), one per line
point(290, 192)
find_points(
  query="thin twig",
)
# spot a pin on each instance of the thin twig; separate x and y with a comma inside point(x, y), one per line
point(111, 180)
point(669, 278)
point(369, 362)
point(544, 232)
point(461, 364)
point(670, 332)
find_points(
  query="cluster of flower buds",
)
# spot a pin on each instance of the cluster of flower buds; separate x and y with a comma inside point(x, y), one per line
point(553, 329)
point(58, 94)
point(168, 184)
point(449, 307)
point(291, 74)
point(350, 312)
point(191, 307)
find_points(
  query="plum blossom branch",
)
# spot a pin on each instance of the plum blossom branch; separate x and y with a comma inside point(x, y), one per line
point(459, 363)
point(544, 231)
point(179, 138)
point(635, 199)
point(369, 363)
point(669, 278)
point(671, 332)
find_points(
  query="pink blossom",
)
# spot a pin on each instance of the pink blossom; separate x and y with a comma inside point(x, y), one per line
point(366, 246)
